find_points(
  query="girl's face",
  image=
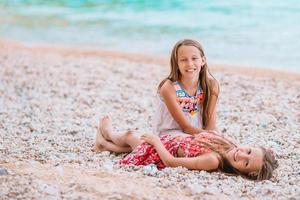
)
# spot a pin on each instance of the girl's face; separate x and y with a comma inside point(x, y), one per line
point(189, 61)
point(245, 159)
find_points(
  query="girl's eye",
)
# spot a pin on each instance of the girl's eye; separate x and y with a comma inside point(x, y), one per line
point(195, 58)
point(249, 151)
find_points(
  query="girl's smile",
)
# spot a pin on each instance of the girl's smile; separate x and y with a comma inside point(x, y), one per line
point(190, 60)
point(191, 70)
point(245, 159)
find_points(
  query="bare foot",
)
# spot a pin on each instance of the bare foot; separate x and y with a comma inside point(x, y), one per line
point(110, 137)
point(105, 127)
point(100, 141)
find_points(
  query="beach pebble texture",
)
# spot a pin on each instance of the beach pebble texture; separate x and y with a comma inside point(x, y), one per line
point(50, 105)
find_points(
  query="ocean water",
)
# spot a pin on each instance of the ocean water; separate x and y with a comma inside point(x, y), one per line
point(261, 33)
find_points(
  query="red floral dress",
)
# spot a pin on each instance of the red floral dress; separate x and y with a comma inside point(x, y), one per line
point(146, 154)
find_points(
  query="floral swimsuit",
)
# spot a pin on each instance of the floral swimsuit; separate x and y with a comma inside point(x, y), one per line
point(146, 154)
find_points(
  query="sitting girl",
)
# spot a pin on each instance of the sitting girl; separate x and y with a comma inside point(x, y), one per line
point(204, 151)
point(187, 98)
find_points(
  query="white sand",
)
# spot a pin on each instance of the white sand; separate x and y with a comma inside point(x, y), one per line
point(51, 99)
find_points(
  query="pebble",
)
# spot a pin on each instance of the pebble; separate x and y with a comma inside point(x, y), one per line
point(105, 153)
point(108, 165)
point(150, 170)
point(3, 171)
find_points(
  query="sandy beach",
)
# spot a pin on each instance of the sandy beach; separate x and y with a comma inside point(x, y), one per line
point(51, 99)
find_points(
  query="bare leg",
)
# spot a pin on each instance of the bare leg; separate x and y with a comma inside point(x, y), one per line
point(102, 144)
point(121, 139)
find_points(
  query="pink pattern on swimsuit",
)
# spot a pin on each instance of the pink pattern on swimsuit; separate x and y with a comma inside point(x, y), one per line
point(193, 147)
point(146, 154)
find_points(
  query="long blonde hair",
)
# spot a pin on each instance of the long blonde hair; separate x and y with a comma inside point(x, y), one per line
point(221, 145)
point(203, 77)
point(268, 166)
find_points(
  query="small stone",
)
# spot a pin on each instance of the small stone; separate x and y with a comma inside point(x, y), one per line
point(150, 170)
point(108, 165)
point(167, 170)
point(3, 171)
point(105, 153)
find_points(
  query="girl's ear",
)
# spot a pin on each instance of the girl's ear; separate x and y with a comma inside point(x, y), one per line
point(203, 60)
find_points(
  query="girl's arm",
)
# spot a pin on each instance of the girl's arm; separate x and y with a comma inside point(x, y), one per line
point(168, 93)
point(207, 162)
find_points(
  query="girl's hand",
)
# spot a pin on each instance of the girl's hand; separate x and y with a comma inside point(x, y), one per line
point(209, 131)
point(150, 138)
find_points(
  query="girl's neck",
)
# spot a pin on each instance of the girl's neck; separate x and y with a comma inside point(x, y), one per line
point(189, 85)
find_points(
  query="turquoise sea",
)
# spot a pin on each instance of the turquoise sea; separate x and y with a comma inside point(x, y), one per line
point(263, 33)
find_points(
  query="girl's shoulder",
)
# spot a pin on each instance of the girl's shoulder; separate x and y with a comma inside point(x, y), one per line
point(167, 88)
point(214, 84)
point(217, 159)
point(215, 156)
point(209, 161)
point(212, 80)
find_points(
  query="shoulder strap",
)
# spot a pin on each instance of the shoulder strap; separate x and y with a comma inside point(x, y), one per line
point(176, 86)
point(199, 90)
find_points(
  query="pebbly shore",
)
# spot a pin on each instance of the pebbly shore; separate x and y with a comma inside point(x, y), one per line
point(51, 102)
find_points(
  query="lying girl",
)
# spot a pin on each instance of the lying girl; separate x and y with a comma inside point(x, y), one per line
point(204, 151)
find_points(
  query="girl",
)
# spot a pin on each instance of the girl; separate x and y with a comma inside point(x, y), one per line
point(204, 151)
point(188, 96)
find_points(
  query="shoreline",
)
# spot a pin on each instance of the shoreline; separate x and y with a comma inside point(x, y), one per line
point(66, 50)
